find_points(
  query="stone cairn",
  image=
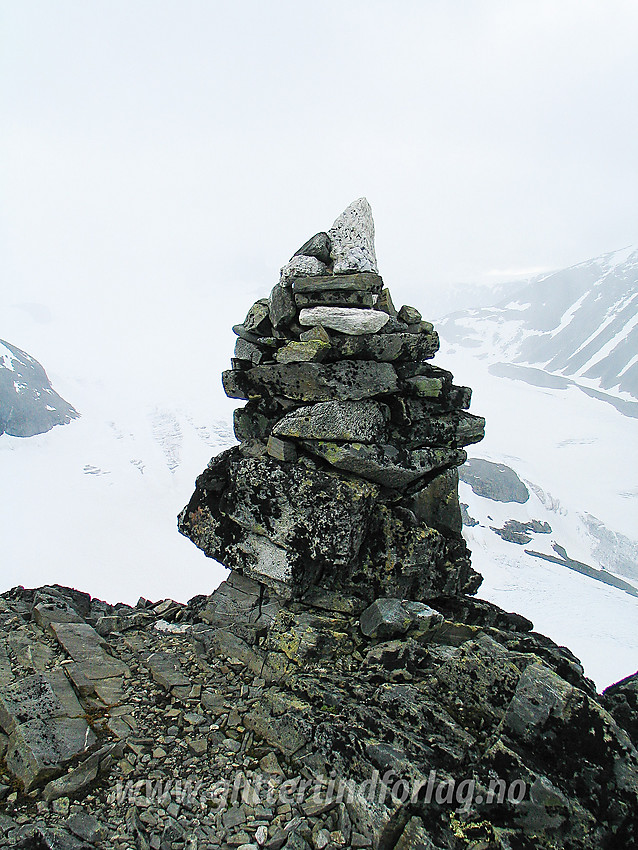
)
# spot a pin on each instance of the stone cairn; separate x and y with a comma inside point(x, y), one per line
point(345, 477)
point(342, 688)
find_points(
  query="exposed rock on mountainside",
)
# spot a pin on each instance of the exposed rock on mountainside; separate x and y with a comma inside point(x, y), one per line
point(28, 403)
point(574, 326)
point(494, 481)
point(499, 483)
point(342, 688)
point(242, 720)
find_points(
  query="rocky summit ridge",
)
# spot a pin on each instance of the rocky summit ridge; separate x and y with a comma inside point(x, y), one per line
point(342, 687)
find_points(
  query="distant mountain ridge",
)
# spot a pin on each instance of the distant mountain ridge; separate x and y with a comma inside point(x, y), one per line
point(579, 324)
point(28, 403)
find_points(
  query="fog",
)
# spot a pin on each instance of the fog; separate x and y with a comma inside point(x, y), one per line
point(161, 160)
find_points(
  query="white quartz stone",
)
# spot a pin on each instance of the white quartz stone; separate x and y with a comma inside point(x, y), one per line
point(302, 267)
point(266, 560)
point(352, 237)
point(347, 320)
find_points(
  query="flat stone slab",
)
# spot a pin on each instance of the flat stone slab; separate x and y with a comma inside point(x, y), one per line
point(348, 380)
point(456, 428)
point(45, 723)
point(384, 464)
point(86, 647)
point(354, 421)
point(334, 298)
point(39, 749)
point(166, 670)
point(102, 667)
point(63, 690)
point(79, 640)
point(110, 690)
point(365, 282)
point(385, 347)
point(55, 611)
point(347, 320)
point(37, 697)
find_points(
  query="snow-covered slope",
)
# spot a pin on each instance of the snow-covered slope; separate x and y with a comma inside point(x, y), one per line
point(575, 451)
point(577, 458)
point(578, 325)
point(94, 504)
point(544, 558)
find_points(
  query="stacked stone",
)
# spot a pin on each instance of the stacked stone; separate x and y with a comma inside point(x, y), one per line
point(345, 476)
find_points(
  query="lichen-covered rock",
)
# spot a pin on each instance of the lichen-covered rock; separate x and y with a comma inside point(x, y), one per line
point(308, 351)
point(444, 725)
point(309, 520)
point(352, 421)
point(312, 382)
point(355, 282)
point(391, 617)
point(394, 468)
point(385, 347)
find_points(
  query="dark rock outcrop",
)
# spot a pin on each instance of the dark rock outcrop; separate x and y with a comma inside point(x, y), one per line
point(494, 481)
point(28, 403)
point(242, 719)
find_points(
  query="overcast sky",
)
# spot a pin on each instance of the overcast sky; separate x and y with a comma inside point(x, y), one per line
point(158, 152)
